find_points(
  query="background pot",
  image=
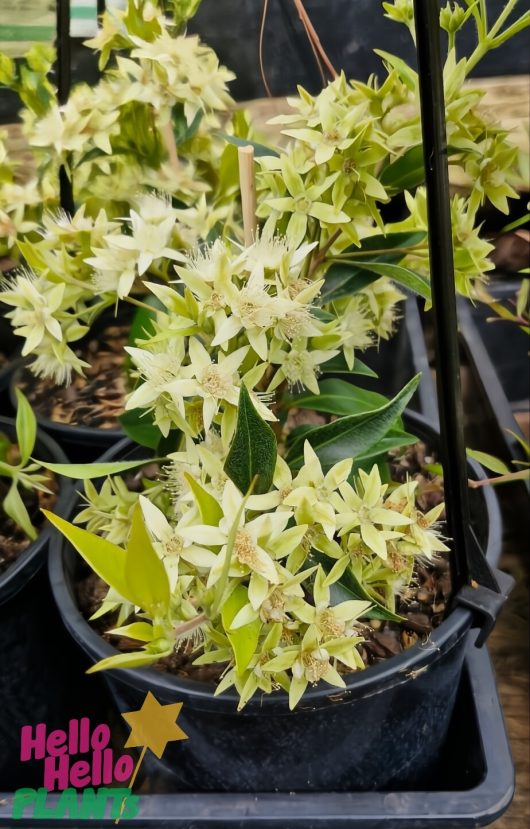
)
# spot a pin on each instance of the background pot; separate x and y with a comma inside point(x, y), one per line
point(349, 32)
point(82, 444)
point(36, 654)
point(9, 347)
point(497, 353)
point(396, 360)
point(385, 729)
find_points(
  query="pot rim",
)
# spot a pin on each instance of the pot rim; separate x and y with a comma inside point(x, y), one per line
point(393, 671)
point(26, 565)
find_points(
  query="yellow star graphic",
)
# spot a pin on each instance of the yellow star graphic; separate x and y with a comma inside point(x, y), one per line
point(154, 725)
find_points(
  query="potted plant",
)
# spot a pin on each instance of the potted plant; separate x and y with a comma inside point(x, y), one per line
point(143, 129)
point(177, 149)
point(32, 681)
point(275, 548)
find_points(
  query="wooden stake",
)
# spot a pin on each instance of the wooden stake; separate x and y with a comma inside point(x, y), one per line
point(169, 140)
point(247, 186)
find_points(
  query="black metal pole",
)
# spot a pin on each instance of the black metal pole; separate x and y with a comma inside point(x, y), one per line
point(63, 91)
point(469, 563)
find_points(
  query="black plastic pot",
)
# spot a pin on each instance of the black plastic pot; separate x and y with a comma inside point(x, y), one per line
point(386, 729)
point(349, 32)
point(472, 786)
point(34, 648)
point(497, 353)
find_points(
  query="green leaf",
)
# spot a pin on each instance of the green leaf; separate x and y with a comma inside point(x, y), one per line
point(244, 640)
point(136, 630)
point(344, 279)
point(137, 425)
point(406, 172)
point(181, 130)
point(355, 434)
point(488, 461)
point(170, 443)
point(140, 659)
point(104, 557)
point(338, 397)
point(87, 471)
point(406, 73)
point(14, 506)
point(145, 573)
point(220, 587)
point(347, 278)
point(26, 427)
point(142, 321)
point(259, 149)
point(211, 511)
point(353, 589)
point(338, 365)
point(415, 282)
point(348, 587)
point(253, 450)
point(393, 439)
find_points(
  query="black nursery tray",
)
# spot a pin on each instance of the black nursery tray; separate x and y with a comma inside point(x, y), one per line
point(472, 787)
point(498, 355)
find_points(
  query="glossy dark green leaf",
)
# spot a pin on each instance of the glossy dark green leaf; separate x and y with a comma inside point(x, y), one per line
point(181, 130)
point(338, 397)
point(348, 587)
point(345, 278)
point(406, 172)
point(415, 282)
point(253, 450)
point(353, 435)
point(137, 425)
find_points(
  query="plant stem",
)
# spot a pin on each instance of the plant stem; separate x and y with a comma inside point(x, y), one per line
point(320, 256)
point(345, 257)
point(138, 303)
point(308, 26)
point(522, 475)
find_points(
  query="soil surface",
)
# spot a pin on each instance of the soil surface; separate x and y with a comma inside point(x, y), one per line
point(96, 400)
point(422, 607)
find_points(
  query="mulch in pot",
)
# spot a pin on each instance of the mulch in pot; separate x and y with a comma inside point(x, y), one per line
point(95, 400)
point(423, 606)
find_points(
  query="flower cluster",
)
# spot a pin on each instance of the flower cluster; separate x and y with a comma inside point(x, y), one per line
point(280, 556)
point(150, 123)
point(245, 316)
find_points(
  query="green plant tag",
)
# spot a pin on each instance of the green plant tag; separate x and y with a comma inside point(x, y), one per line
point(253, 450)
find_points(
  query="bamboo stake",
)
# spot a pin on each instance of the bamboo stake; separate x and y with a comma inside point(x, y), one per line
point(169, 140)
point(247, 186)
